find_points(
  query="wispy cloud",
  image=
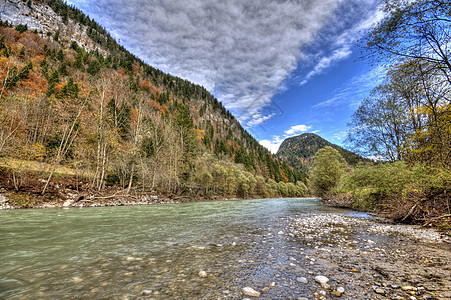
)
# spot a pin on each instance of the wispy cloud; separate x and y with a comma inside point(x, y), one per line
point(259, 119)
point(296, 129)
point(366, 14)
point(326, 62)
point(242, 51)
point(354, 90)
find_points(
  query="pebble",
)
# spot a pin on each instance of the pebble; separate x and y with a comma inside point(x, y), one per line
point(321, 279)
point(146, 292)
point(340, 290)
point(203, 274)
point(302, 280)
point(248, 291)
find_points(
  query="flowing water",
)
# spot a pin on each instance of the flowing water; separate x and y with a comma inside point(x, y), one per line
point(156, 251)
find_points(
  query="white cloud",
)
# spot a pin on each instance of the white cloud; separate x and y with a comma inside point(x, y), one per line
point(242, 51)
point(273, 144)
point(297, 129)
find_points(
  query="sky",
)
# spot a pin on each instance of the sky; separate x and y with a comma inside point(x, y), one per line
point(282, 67)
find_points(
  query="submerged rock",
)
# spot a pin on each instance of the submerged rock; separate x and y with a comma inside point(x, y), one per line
point(302, 280)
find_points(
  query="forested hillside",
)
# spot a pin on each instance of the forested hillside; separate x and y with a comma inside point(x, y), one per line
point(76, 105)
point(299, 150)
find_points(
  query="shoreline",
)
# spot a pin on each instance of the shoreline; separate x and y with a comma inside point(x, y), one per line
point(87, 199)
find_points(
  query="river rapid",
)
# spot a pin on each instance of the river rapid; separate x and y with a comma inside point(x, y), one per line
point(212, 250)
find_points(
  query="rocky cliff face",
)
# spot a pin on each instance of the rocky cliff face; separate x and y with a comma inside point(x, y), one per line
point(46, 22)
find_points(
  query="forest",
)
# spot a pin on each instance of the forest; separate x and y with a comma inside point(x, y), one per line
point(97, 119)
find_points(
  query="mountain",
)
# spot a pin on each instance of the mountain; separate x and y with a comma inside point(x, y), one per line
point(78, 104)
point(298, 151)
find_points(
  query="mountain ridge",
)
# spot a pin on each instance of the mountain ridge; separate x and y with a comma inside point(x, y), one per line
point(298, 151)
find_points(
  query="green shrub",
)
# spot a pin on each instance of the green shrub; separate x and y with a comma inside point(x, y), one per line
point(369, 183)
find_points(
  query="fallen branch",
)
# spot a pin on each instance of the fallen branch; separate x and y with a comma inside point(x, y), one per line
point(107, 197)
point(410, 212)
point(436, 218)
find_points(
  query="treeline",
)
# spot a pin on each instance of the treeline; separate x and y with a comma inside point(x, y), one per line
point(406, 123)
point(116, 121)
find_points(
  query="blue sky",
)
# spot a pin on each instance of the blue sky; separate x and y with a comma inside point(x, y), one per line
point(281, 67)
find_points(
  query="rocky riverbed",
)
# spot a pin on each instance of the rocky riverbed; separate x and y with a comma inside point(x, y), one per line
point(365, 259)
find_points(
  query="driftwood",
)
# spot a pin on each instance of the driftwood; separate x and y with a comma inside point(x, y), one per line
point(410, 212)
point(106, 197)
point(181, 197)
point(436, 218)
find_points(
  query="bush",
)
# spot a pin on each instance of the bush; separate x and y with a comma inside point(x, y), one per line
point(369, 183)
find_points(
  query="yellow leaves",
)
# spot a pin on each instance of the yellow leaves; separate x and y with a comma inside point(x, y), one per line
point(36, 152)
point(200, 134)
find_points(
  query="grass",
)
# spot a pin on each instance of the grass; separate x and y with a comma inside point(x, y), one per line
point(41, 167)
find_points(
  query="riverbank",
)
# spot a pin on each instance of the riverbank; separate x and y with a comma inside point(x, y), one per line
point(65, 191)
point(78, 199)
point(432, 210)
point(361, 256)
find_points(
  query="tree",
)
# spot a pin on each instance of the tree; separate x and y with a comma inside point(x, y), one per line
point(417, 30)
point(407, 117)
point(22, 28)
point(378, 126)
point(328, 167)
point(70, 124)
point(94, 67)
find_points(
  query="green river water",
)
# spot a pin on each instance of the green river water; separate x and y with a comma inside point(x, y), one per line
point(153, 251)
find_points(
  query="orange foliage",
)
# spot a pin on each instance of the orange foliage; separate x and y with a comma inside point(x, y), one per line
point(163, 110)
point(37, 60)
point(200, 134)
point(35, 84)
point(282, 174)
point(134, 115)
point(145, 83)
point(121, 72)
point(155, 105)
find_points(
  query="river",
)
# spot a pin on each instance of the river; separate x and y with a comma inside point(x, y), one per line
point(203, 250)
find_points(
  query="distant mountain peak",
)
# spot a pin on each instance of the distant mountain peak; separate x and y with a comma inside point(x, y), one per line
point(298, 151)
